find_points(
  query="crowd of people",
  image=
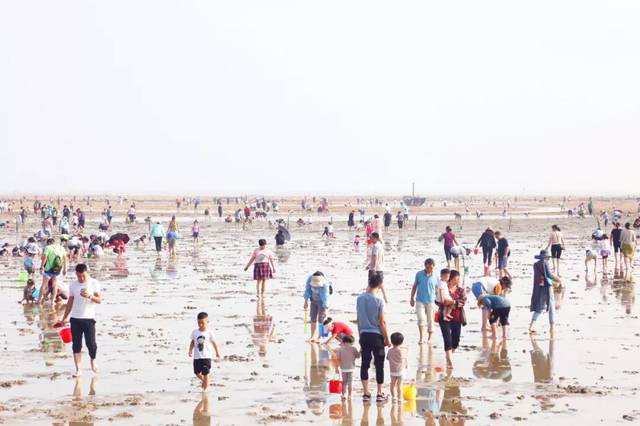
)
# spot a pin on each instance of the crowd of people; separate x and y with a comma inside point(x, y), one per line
point(438, 296)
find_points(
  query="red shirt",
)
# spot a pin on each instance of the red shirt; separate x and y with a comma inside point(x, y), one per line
point(340, 327)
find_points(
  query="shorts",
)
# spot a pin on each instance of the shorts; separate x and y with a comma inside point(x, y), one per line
point(556, 251)
point(616, 246)
point(372, 273)
point(202, 366)
point(29, 269)
point(262, 271)
point(424, 312)
point(341, 336)
point(51, 274)
point(628, 250)
point(347, 379)
point(604, 253)
point(502, 263)
point(195, 234)
point(502, 314)
point(316, 312)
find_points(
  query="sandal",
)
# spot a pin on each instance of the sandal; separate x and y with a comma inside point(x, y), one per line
point(366, 397)
point(382, 397)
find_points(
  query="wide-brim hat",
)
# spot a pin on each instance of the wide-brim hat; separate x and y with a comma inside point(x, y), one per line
point(317, 281)
point(543, 255)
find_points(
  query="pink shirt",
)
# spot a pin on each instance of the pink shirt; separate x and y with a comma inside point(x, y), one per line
point(448, 238)
point(263, 255)
point(347, 356)
point(397, 357)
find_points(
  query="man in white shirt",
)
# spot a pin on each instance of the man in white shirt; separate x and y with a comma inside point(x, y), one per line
point(84, 294)
point(375, 262)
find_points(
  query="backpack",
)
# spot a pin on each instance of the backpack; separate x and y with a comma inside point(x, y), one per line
point(56, 265)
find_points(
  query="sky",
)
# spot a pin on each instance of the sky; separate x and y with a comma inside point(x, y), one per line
point(332, 97)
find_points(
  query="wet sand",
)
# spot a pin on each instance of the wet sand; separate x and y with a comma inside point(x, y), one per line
point(589, 374)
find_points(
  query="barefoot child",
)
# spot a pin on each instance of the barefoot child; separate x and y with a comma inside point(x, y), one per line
point(28, 293)
point(200, 348)
point(346, 356)
point(397, 357)
point(195, 231)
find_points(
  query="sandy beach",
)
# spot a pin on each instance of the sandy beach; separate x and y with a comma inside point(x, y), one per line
point(588, 374)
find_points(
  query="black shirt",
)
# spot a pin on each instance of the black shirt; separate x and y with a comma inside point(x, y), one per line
point(503, 245)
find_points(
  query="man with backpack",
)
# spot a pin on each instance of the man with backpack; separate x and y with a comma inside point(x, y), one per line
point(53, 263)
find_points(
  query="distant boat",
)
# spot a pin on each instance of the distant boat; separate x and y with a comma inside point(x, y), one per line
point(414, 201)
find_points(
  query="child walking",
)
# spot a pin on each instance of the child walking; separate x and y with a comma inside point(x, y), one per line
point(346, 356)
point(202, 342)
point(195, 231)
point(397, 357)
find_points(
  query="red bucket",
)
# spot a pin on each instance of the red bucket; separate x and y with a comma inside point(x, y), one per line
point(335, 386)
point(475, 250)
point(65, 334)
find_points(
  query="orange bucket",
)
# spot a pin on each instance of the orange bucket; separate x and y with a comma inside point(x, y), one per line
point(65, 334)
point(335, 411)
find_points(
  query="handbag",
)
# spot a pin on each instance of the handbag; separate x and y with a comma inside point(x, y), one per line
point(463, 316)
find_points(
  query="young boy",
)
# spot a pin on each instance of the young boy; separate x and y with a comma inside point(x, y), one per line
point(200, 347)
point(443, 295)
point(347, 355)
point(503, 253)
point(498, 308)
point(397, 357)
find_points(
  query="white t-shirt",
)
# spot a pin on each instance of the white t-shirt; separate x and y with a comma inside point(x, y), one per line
point(83, 307)
point(377, 251)
point(202, 347)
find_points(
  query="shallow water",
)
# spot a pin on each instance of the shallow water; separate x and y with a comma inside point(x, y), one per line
point(150, 306)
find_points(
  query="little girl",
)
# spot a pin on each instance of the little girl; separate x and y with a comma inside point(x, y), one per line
point(195, 231)
point(356, 241)
point(397, 357)
point(604, 251)
point(346, 356)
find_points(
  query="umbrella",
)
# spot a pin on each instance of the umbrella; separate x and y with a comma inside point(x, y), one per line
point(119, 237)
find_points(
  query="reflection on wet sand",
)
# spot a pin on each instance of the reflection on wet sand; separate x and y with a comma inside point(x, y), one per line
point(282, 254)
point(365, 414)
point(49, 338)
point(316, 386)
point(263, 328)
point(201, 414)
point(542, 363)
point(426, 377)
point(493, 362)
point(81, 410)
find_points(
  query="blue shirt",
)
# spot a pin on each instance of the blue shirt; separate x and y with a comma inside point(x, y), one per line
point(369, 307)
point(426, 286)
point(493, 302)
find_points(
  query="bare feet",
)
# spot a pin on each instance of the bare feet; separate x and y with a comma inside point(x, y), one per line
point(78, 373)
point(94, 367)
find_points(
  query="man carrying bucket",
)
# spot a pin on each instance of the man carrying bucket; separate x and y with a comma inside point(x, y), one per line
point(84, 294)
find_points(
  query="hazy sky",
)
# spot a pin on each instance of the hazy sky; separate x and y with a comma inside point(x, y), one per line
point(324, 97)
